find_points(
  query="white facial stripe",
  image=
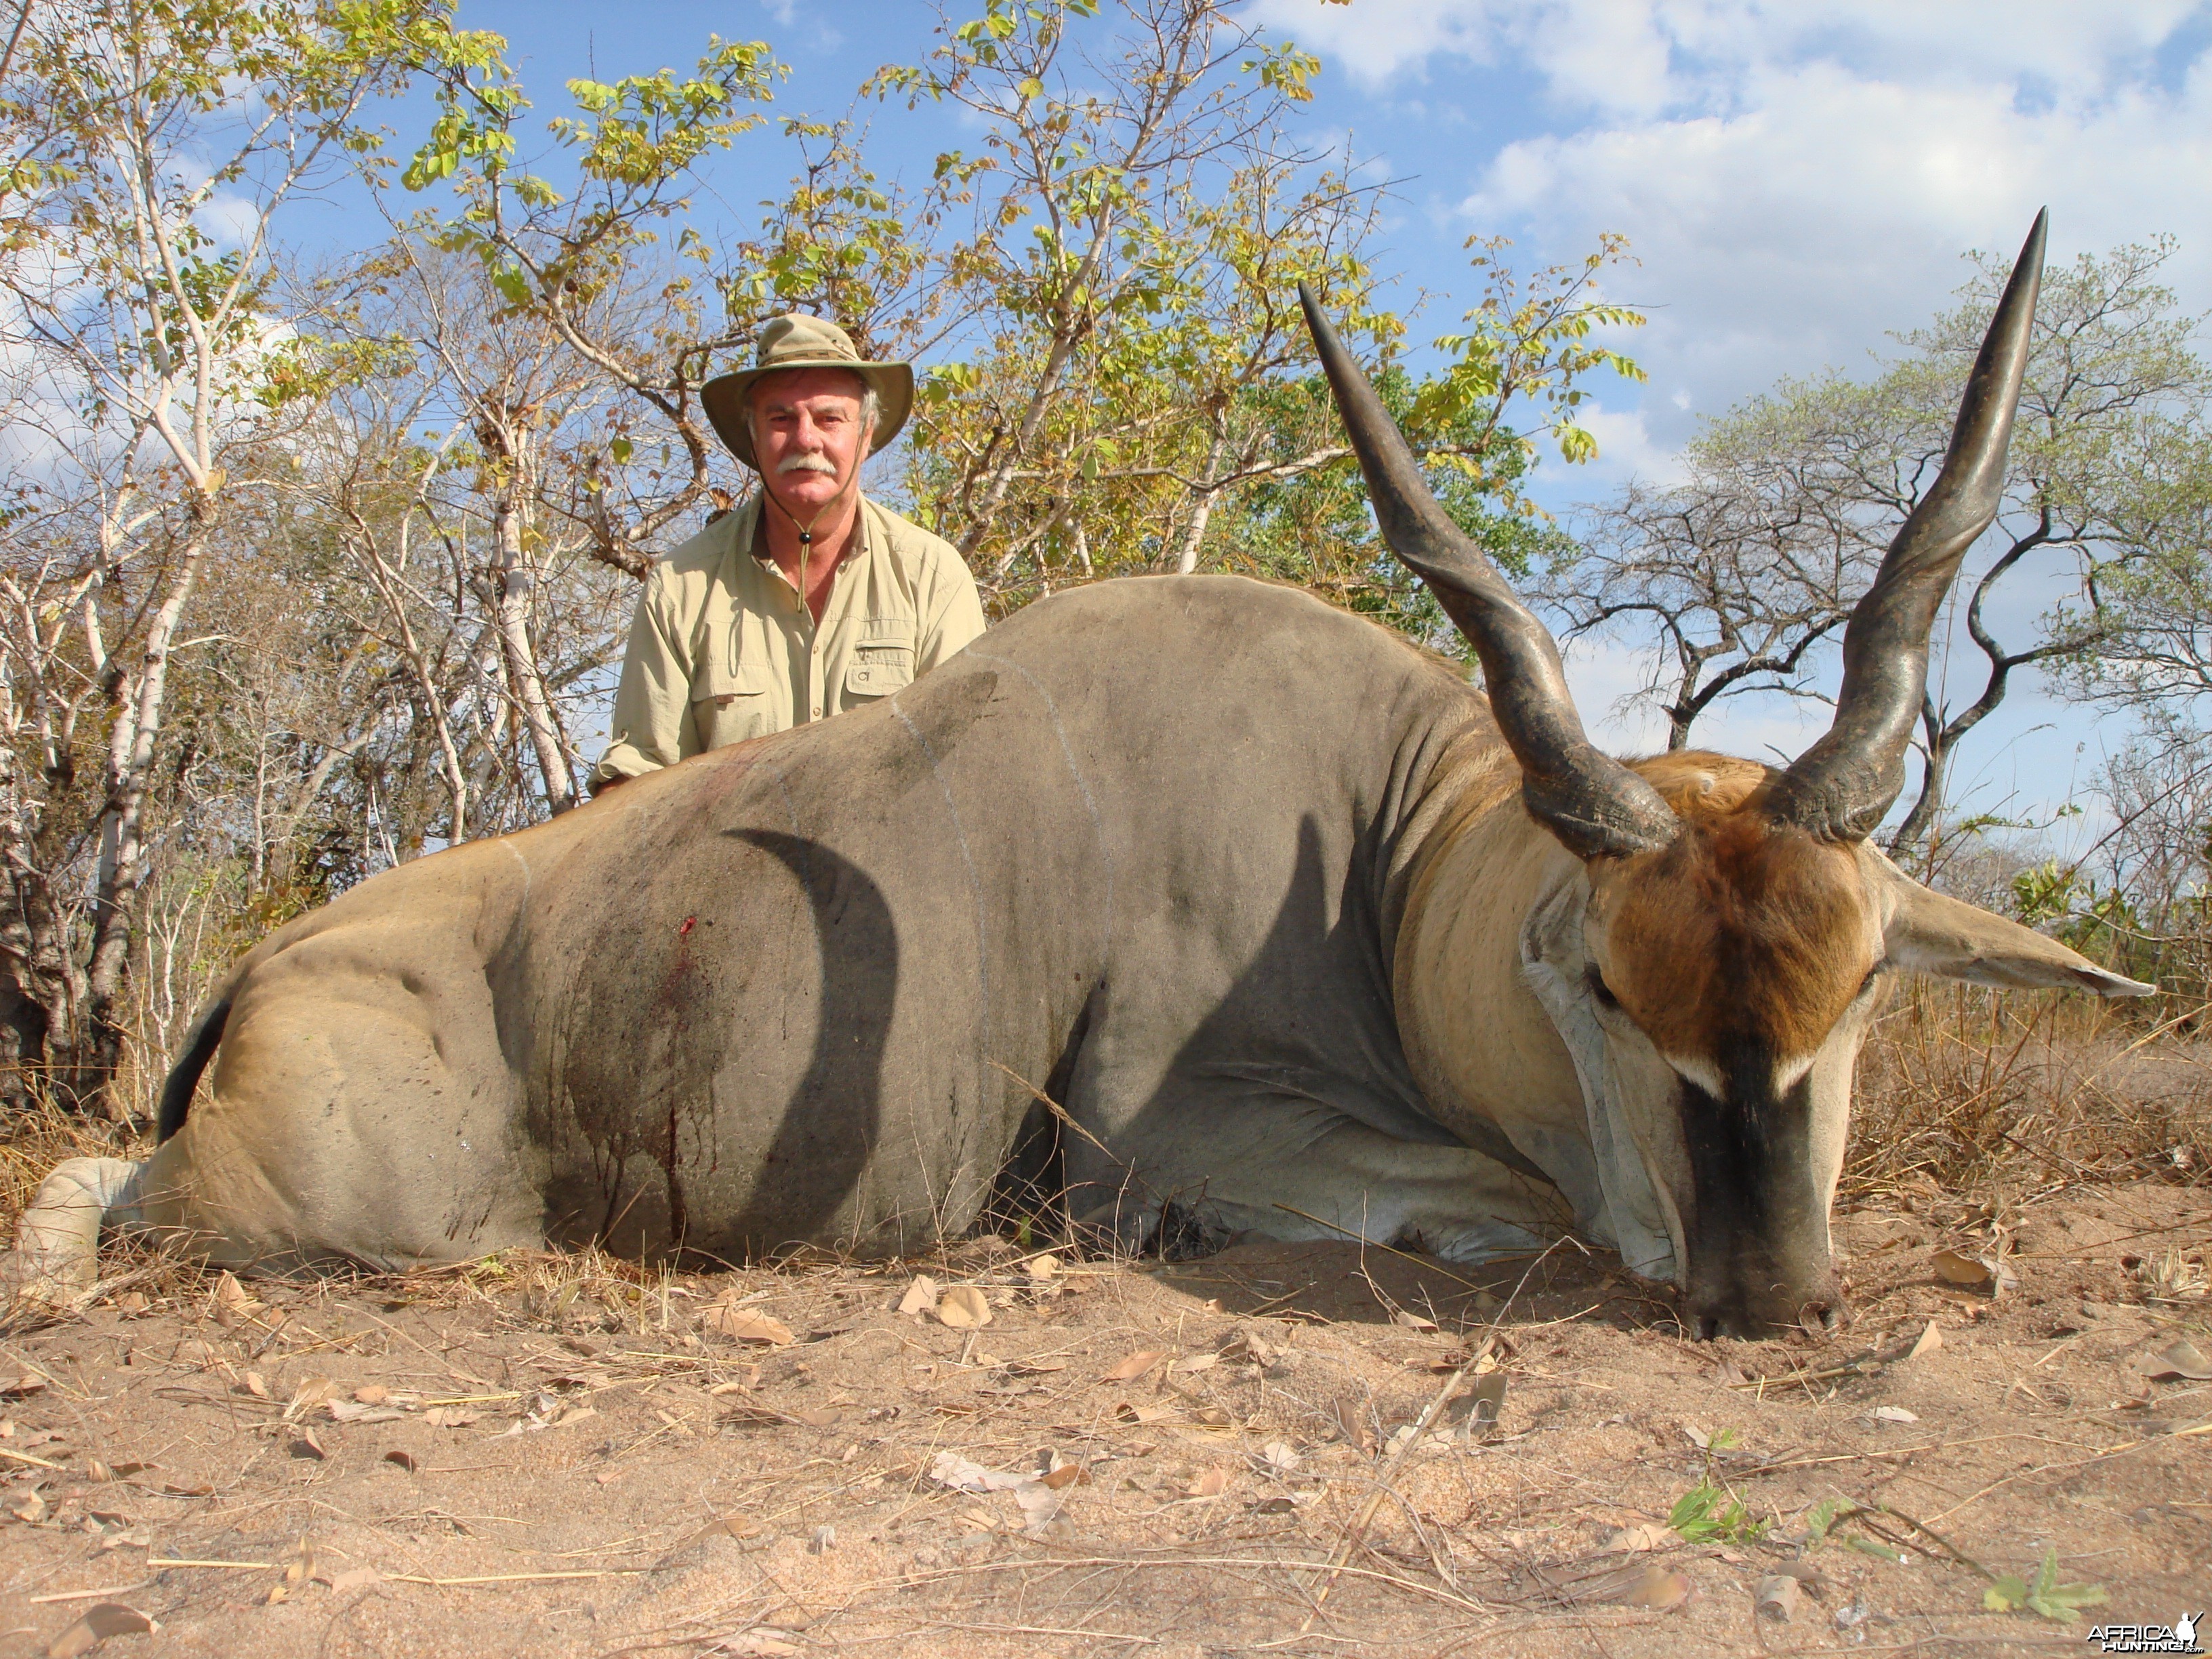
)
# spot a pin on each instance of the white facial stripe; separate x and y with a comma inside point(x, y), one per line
point(1787, 1075)
point(1699, 1072)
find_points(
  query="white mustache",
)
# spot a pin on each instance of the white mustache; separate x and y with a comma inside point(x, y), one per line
point(804, 463)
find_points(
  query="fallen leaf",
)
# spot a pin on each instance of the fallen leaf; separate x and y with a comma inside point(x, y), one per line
point(1127, 1413)
point(750, 1644)
point(735, 1324)
point(405, 1460)
point(1194, 1362)
point(1489, 1401)
point(1039, 1503)
point(1068, 1475)
point(825, 1538)
point(1279, 1456)
point(1928, 1342)
point(1412, 1321)
point(1350, 1418)
point(1042, 1266)
point(1954, 1268)
point(1248, 1347)
point(1035, 1367)
point(1808, 1576)
point(353, 1578)
point(1134, 1366)
point(1891, 1414)
point(2177, 1359)
point(1778, 1597)
point(1697, 1436)
point(350, 1411)
point(1642, 1538)
point(754, 1417)
point(22, 1387)
point(253, 1383)
point(920, 1296)
point(100, 1621)
point(308, 1447)
point(233, 1302)
point(28, 1507)
point(1210, 1483)
point(449, 1417)
point(1275, 1506)
point(373, 1394)
point(315, 1391)
point(1989, 1275)
point(963, 1474)
point(1658, 1588)
point(963, 1307)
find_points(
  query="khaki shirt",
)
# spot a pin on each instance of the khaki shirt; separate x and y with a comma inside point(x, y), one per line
point(723, 648)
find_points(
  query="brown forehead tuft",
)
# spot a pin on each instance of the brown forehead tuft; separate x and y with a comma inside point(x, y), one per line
point(1741, 933)
point(1700, 785)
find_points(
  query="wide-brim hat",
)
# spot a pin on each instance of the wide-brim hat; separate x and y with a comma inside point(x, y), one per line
point(801, 342)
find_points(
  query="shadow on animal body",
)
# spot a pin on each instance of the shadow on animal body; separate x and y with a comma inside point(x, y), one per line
point(669, 1116)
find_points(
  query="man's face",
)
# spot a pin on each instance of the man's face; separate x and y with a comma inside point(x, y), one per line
point(808, 434)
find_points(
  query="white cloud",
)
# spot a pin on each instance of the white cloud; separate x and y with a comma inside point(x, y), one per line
point(1797, 179)
point(1642, 54)
point(229, 218)
point(1832, 208)
point(1625, 450)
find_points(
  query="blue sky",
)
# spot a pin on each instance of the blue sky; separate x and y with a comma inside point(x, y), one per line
point(1797, 179)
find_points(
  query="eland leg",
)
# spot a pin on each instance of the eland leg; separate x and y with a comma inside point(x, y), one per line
point(55, 1256)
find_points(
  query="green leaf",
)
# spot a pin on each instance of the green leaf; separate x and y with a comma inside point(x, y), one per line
point(621, 449)
point(2049, 1599)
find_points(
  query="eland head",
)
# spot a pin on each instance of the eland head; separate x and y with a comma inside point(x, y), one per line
point(1714, 961)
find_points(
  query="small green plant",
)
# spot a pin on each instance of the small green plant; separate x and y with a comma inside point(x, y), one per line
point(1825, 1515)
point(1709, 1512)
point(2046, 1597)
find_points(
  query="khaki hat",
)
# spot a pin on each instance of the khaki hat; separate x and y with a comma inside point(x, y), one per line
point(802, 342)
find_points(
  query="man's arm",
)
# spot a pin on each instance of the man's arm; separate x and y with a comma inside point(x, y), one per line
point(653, 701)
point(952, 612)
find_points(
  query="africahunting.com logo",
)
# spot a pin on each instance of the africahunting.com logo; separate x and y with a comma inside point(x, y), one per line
point(2181, 1638)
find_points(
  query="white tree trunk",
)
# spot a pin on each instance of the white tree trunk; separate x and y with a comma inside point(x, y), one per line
point(511, 572)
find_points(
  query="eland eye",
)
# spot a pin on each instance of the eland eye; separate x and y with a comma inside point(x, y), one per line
point(1601, 990)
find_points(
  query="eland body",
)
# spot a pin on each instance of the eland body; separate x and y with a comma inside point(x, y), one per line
point(1296, 929)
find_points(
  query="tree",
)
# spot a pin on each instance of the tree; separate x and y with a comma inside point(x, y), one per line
point(151, 145)
point(1742, 573)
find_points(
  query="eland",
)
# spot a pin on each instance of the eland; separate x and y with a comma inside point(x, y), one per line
point(1212, 906)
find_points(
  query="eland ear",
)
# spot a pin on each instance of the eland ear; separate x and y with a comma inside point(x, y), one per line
point(1932, 934)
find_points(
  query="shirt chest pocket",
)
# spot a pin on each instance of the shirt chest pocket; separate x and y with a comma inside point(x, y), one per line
point(729, 705)
point(882, 661)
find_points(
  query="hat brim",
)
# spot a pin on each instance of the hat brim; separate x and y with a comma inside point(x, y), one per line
point(723, 397)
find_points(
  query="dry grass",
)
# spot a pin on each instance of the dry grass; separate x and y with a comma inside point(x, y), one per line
point(32, 1142)
point(1979, 1093)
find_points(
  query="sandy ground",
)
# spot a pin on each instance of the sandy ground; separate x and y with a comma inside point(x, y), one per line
point(542, 1458)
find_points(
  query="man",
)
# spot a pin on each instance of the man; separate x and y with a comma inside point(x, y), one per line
point(808, 599)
